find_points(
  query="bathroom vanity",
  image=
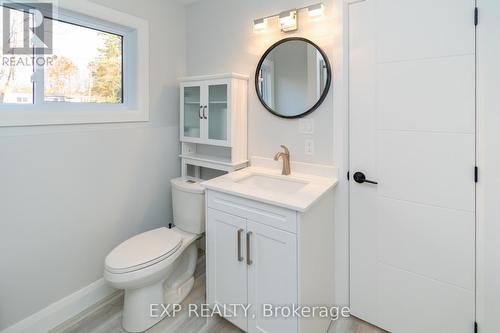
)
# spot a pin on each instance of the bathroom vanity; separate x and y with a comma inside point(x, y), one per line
point(269, 244)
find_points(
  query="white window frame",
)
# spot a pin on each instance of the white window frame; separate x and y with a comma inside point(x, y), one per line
point(135, 104)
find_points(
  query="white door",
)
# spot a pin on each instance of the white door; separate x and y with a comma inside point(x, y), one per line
point(412, 130)
point(226, 264)
point(272, 277)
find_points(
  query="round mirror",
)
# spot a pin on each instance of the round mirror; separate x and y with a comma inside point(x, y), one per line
point(293, 77)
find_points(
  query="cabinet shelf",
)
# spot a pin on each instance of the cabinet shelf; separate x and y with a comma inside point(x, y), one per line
point(213, 160)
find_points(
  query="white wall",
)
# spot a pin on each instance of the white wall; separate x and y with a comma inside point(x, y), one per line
point(220, 39)
point(488, 190)
point(69, 194)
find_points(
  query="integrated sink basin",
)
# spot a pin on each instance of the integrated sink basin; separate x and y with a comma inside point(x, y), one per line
point(283, 184)
point(264, 182)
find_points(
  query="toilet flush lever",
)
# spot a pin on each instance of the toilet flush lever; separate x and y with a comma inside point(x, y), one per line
point(240, 258)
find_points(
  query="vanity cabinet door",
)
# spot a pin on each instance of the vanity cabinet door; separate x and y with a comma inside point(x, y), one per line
point(272, 277)
point(226, 264)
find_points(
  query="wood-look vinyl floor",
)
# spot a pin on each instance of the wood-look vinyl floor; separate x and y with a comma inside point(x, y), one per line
point(106, 318)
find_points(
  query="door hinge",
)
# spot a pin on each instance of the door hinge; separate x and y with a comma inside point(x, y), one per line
point(475, 327)
point(476, 16)
point(476, 174)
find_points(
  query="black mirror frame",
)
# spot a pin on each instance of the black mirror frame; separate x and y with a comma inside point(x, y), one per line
point(327, 85)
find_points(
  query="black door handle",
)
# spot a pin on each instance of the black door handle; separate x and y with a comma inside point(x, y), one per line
point(360, 178)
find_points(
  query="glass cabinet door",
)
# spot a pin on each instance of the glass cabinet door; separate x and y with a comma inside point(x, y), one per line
point(217, 112)
point(192, 112)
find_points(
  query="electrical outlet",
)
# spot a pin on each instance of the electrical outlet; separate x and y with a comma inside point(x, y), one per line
point(309, 147)
point(306, 126)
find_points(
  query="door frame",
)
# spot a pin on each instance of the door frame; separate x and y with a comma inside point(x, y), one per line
point(342, 126)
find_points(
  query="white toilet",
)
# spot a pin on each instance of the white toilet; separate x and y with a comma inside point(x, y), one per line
point(157, 266)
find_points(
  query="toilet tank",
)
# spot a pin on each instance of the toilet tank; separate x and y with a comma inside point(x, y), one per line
point(188, 202)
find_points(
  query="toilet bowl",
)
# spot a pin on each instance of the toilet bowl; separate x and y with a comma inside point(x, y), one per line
point(157, 266)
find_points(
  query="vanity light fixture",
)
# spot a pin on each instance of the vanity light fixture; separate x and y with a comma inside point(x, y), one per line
point(316, 10)
point(259, 24)
point(288, 20)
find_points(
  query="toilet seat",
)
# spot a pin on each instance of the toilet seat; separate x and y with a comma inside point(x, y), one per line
point(143, 250)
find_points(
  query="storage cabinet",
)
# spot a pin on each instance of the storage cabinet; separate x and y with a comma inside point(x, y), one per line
point(213, 122)
point(205, 112)
point(259, 254)
point(212, 109)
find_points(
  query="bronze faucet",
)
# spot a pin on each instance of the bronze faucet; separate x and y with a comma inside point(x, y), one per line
point(285, 156)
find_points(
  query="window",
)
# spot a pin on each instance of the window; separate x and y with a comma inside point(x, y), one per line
point(86, 65)
point(96, 70)
point(15, 73)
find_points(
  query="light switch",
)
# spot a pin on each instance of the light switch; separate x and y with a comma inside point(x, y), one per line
point(306, 126)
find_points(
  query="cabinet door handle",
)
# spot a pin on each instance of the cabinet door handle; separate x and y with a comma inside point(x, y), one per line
point(249, 261)
point(240, 258)
point(199, 113)
point(205, 112)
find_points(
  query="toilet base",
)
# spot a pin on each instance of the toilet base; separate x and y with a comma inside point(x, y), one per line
point(172, 289)
point(137, 304)
point(177, 295)
point(136, 315)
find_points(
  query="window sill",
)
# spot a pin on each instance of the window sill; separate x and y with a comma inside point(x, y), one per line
point(26, 116)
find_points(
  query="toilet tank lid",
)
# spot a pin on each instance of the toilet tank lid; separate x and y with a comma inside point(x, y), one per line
point(188, 185)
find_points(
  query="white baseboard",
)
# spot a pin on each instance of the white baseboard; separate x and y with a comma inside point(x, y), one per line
point(63, 310)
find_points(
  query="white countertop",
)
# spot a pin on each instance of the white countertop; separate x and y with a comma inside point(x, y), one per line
point(312, 187)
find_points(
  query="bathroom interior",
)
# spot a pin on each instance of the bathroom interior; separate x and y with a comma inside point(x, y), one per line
point(201, 166)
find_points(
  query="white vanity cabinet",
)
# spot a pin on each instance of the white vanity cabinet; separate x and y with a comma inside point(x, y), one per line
point(259, 254)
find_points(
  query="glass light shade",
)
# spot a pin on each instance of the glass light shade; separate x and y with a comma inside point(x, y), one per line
point(316, 10)
point(288, 21)
point(259, 25)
